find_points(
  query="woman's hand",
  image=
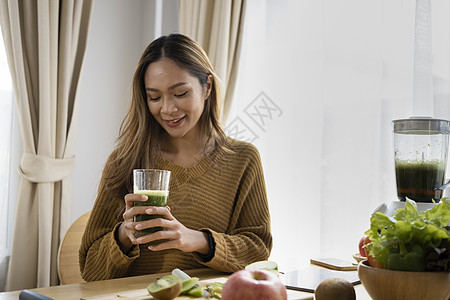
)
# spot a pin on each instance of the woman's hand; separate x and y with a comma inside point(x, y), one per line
point(127, 229)
point(174, 235)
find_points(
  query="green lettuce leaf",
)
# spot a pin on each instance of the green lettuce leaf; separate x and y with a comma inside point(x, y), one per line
point(407, 227)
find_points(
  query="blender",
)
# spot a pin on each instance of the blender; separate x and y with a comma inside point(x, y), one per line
point(420, 154)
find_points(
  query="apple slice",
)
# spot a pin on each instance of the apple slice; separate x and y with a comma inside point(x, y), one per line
point(265, 265)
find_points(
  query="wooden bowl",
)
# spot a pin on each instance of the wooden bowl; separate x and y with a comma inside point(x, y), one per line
point(383, 284)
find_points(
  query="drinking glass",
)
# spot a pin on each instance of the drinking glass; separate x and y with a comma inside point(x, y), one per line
point(155, 185)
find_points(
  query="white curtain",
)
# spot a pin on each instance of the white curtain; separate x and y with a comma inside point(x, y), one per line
point(45, 42)
point(217, 26)
point(319, 83)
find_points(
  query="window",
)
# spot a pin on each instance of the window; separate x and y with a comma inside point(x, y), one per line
point(319, 83)
point(6, 113)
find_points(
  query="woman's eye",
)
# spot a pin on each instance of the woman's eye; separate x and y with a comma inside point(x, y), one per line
point(153, 98)
point(181, 95)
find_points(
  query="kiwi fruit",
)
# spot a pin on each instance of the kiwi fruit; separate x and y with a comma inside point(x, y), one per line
point(335, 289)
point(188, 284)
point(195, 291)
point(165, 288)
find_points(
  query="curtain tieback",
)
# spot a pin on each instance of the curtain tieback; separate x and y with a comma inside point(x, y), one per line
point(40, 169)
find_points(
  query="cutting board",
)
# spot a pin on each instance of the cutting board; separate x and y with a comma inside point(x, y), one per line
point(142, 294)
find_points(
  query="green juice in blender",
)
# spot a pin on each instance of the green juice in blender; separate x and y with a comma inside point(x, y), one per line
point(420, 155)
point(417, 180)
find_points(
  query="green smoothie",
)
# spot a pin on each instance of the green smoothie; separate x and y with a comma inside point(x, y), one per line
point(155, 198)
point(417, 180)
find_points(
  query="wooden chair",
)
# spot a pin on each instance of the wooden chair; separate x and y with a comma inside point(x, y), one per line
point(68, 263)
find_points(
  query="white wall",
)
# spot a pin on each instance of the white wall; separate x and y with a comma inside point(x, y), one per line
point(119, 31)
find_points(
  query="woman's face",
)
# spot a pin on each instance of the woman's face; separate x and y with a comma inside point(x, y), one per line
point(175, 98)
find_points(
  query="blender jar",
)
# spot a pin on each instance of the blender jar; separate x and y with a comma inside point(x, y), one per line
point(420, 155)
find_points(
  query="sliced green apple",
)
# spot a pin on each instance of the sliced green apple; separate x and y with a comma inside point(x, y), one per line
point(265, 265)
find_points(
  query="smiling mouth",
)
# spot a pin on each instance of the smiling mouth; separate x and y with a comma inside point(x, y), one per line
point(174, 121)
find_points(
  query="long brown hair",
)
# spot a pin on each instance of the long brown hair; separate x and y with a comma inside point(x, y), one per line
point(139, 138)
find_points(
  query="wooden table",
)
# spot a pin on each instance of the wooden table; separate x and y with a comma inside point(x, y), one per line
point(135, 288)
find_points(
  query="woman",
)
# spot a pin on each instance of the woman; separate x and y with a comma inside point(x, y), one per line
point(217, 214)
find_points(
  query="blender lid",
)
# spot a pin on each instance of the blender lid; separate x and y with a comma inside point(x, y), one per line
point(421, 125)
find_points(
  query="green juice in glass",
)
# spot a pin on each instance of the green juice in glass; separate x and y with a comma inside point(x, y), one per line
point(155, 198)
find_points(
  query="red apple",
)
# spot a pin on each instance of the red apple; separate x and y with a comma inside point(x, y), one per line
point(370, 258)
point(373, 263)
point(257, 284)
point(362, 249)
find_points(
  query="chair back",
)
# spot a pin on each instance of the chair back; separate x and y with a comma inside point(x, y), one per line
point(68, 253)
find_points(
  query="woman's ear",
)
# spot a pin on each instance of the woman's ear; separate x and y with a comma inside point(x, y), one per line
point(208, 86)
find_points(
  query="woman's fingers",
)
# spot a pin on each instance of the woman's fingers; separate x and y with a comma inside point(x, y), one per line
point(184, 239)
point(156, 222)
point(162, 211)
point(162, 235)
point(173, 234)
point(131, 198)
point(131, 226)
point(130, 213)
point(131, 209)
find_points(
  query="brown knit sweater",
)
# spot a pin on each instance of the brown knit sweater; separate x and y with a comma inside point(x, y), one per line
point(224, 194)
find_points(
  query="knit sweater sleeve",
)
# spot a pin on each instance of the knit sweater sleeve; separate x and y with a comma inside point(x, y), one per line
point(100, 255)
point(248, 238)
